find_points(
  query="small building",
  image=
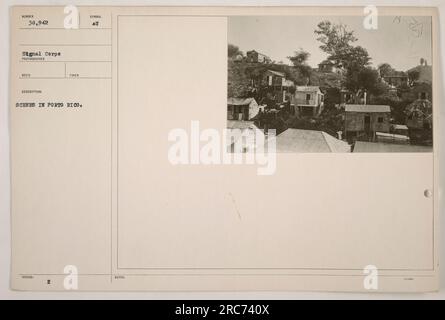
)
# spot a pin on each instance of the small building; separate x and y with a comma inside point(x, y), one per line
point(274, 79)
point(396, 78)
point(425, 73)
point(371, 147)
point(307, 100)
point(241, 108)
point(309, 141)
point(363, 121)
point(399, 129)
point(327, 66)
point(256, 57)
point(278, 83)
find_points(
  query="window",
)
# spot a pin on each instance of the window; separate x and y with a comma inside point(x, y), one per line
point(423, 95)
point(380, 119)
point(308, 96)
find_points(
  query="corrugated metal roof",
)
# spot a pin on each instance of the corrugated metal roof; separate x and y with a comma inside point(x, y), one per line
point(367, 108)
point(362, 146)
point(307, 88)
point(238, 124)
point(396, 74)
point(277, 73)
point(400, 127)
point(392, 135)
point(309, 141)
point(240, 101)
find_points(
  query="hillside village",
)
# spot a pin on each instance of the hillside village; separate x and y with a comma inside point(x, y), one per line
point(343, 105)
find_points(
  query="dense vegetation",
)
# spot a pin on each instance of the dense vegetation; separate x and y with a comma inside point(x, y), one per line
point(356, 75)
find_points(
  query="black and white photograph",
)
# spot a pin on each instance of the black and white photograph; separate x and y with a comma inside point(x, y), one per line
point(329, 84)
point(224, 156)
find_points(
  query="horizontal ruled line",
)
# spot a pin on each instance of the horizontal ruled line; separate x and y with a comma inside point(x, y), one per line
point(60, 28)
point(65, 45)
point(65, 61)
point(59, 78)
point(229, 274)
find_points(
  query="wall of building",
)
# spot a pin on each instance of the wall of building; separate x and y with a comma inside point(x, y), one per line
point(355, 121)
point(300, 98)
point(276, 80)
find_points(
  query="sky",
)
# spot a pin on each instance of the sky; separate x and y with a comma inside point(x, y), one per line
point(399, 41)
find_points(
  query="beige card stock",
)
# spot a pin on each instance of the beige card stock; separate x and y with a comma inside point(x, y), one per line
point(97, 203)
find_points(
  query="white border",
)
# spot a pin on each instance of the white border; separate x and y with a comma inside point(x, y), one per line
point(6, 293)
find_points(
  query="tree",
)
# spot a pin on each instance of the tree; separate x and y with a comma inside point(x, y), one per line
point(237, 82)
point(299, 60)
point(332, 97)
point(233, 51)
point(357, 57)
point(364, 80)
point(336, 41)
point(413, 76)
point(385, 69)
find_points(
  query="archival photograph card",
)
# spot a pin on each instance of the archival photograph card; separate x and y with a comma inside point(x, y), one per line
point(224, 148)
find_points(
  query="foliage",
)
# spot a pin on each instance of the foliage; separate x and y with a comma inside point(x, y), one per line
point(299, 60)
point(385, 69)
point(336, 41)
point(330, 121)
point(332, 97)
point(413, 76)
point(237, 81)
point(357, 57)
point(233, 51)
point(363, 79)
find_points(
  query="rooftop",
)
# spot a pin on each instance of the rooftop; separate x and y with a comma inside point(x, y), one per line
point(396, 74)
point(307, 88)
point(277, 73)
point(399, 127)
point(309, 141)
point(238, 124)
point(240, 101)
point(367, 108)
point(392, 135)
point(362, 146)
